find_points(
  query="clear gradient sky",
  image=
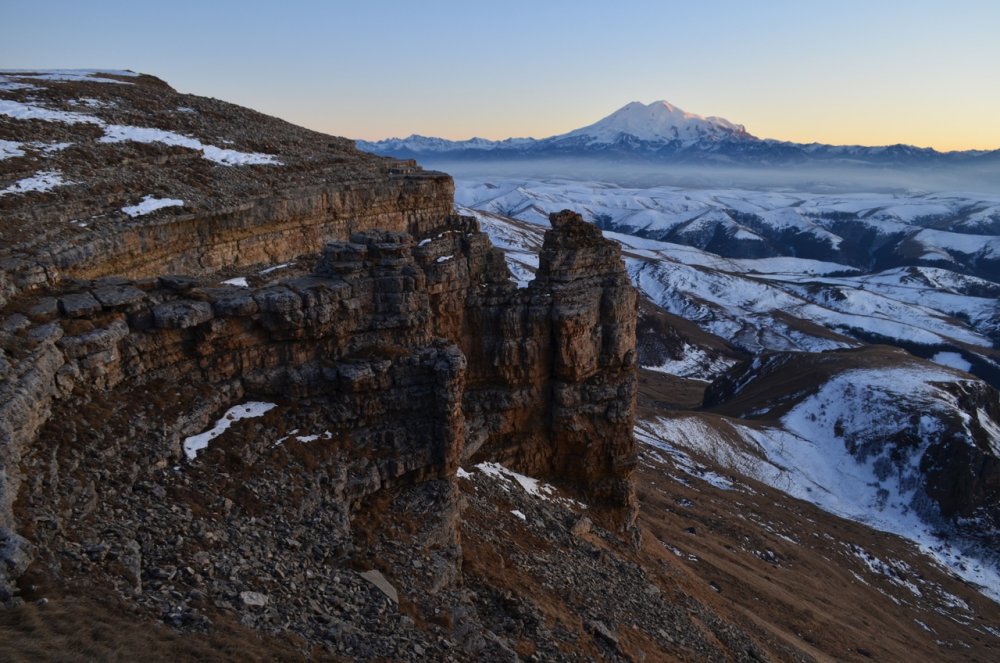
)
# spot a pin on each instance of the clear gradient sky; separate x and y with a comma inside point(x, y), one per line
point(841, 71)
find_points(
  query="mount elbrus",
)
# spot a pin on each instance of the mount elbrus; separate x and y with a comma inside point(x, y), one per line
point(271, 394)
point(664, 132)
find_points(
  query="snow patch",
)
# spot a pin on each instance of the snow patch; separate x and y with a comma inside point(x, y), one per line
point(667, 435)
point(8, 85)
point(533, 487)
point(305, 439)
point(694, 363)
point(953, 360)
point(265, 272)
point(150, 204)
point(40, 182)
point(248, 410)
point(9, 148)
point(22, 111)
point(239, 282)
point(896, 571)
point(116, 133)
point(71, 75)
point(48, 149)
point(530, 486)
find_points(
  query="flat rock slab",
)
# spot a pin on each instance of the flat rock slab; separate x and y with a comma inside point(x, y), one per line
point(253, 599)
point(181, 314)
point(119, 295)
point(79, 305)
point(377, 579)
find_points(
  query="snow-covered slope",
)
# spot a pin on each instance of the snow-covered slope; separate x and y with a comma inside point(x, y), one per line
point(864, 232)
point(875, 436)
point(776, 303)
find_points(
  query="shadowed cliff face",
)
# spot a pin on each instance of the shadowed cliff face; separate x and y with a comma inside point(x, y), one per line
point(412, 356)
point(577, 338)
point(197, 445)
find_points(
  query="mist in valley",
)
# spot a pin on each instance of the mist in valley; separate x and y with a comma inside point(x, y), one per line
point(813, 177)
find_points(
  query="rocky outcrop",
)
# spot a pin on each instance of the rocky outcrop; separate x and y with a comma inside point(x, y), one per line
point(413, 357)
point(962, 468)
point(564, 357)
point(285, 449)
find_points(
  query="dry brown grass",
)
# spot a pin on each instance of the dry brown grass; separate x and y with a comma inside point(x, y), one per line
point(75, 629)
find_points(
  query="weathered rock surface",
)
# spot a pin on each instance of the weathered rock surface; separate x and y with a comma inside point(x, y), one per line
point(568, 352)
point(383, 347)
point(411, 358)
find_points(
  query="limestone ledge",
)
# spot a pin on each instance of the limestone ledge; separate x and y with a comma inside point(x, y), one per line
point(262, 230)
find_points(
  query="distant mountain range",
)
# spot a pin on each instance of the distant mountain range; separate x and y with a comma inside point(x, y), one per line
point(662, 132)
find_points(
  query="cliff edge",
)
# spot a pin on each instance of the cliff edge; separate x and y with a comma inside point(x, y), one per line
point(272, 393)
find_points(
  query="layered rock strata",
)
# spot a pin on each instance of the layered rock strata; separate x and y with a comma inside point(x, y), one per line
point(245, 188)
point(573, 329)
point(267, 229)
point(413, 356)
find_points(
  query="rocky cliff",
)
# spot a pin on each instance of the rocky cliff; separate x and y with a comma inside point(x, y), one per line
point(267, 397)
point(388, 339)
point(405, 352)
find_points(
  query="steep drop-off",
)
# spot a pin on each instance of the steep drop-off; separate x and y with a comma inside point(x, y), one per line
point(405, 352)
point(346, 433)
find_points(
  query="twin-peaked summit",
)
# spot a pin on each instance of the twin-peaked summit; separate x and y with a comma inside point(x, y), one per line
point(662, 132)
point(659, 121)
point(657, 124)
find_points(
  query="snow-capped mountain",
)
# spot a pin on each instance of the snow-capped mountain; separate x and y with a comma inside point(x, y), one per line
point(633, 126)
point(662, 132)
point(658, 122)
point(418, 144)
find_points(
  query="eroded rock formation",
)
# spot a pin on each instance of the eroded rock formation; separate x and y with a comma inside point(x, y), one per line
point(419, 356)
point(397, 350)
